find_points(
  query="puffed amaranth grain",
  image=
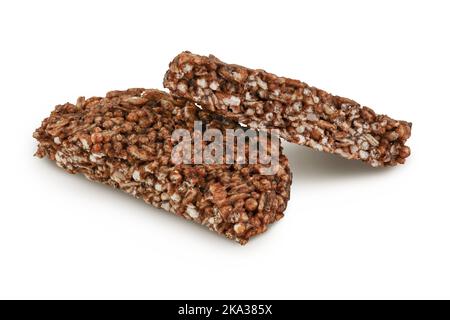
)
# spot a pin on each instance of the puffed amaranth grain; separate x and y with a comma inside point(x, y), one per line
point(124, 140)
point(304, 115)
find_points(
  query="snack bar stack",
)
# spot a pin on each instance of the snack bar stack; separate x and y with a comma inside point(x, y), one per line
point(304, 115)
point(125, 140)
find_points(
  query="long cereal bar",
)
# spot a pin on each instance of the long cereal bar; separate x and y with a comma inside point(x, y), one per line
point(304, 115)
point(124, 140)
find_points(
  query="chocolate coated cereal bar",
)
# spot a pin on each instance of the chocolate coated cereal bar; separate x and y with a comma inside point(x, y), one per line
point(124, 140)
point(304, 115)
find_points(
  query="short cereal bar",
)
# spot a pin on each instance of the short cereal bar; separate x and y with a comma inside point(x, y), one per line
point(124, 140)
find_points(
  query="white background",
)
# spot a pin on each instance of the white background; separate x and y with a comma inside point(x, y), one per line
point(350, 231)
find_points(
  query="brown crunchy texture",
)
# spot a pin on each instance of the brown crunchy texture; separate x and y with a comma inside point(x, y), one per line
point(124, 140)
point(304, 115)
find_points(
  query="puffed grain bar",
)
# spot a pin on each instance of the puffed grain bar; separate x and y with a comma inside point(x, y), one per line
point(124, 140)
point(304, 115)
